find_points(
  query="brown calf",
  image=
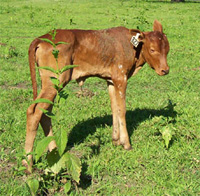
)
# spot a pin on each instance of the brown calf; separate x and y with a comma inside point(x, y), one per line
point(113, 54)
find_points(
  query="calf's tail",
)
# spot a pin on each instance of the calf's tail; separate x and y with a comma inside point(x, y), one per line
point(32, 59)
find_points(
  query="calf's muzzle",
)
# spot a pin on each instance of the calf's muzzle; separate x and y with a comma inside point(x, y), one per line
point(165, 71)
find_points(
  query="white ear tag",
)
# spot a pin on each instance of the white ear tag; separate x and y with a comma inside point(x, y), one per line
point(135, 40)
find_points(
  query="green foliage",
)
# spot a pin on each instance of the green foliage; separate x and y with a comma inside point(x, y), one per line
point(47, 113)
point(53, 36)
point(41, 100)
point(61, 140)
point(165, 128)
point(8, 52)
point(48, 41)
point(67, 187)
point(57, 160)
point(67, 67)
point(73, 165)
point(49, 69)
point(42, 146)
point(167, 135)
point(33, 184)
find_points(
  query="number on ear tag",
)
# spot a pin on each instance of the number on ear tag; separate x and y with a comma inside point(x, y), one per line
point(135, 40)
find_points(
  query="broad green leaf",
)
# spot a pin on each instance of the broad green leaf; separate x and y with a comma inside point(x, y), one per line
point(53, 157)
point(41, 146)
point(73, 166)
point(41, 100)
point(57, 166)
point(48, 41)
point(56, 83)
point(21, 168)
point(57, 87)
point(67, 187)
point(58, 43)
point(62, 96)
point(72, 163)
point(61, 140)
point(55, 80)
point(166, 135)
point(65, 68)
point(33, 185)
point(49, 69)
point(49, 114)
point(61, 85)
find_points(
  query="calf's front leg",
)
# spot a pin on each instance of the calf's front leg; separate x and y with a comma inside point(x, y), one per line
point(117, 92)
point(120, 94)
point(116, 133)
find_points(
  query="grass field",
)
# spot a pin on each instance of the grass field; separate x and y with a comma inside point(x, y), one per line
point(153, 102)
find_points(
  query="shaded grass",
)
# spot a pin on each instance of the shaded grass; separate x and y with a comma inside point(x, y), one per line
point(150, 168)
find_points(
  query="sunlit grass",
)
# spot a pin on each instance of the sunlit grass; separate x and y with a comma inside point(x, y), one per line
point(153, 102)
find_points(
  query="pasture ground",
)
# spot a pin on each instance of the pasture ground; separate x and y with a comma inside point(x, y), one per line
point(153, 102)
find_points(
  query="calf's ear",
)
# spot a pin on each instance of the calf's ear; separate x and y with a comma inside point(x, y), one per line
point(157, 26)
point(141, 36)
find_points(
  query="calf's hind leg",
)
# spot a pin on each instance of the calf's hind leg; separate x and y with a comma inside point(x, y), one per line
point(47, 127)
point(34, 116)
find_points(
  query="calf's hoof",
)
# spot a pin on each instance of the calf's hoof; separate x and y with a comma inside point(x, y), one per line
point(116, 142)
point(127, 147)
point(28, 166)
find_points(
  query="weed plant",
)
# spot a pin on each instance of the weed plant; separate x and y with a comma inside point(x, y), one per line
point(63, 167)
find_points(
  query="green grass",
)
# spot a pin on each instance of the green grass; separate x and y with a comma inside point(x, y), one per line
point(174, 100)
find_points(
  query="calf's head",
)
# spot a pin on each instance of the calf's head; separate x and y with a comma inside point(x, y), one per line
point(155, 49)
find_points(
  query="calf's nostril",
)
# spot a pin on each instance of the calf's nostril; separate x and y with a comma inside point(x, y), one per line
point(165, 71)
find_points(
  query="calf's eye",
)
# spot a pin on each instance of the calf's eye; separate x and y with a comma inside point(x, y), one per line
point(152, 50)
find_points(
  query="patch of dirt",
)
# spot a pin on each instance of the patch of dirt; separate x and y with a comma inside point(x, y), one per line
point(5, 164)
point(85, 93)
point(197, 68)
point(2, 44)
point(193, 69)
point(22, 85)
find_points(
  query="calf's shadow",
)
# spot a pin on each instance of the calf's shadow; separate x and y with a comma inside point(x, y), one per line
point(133, 118)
